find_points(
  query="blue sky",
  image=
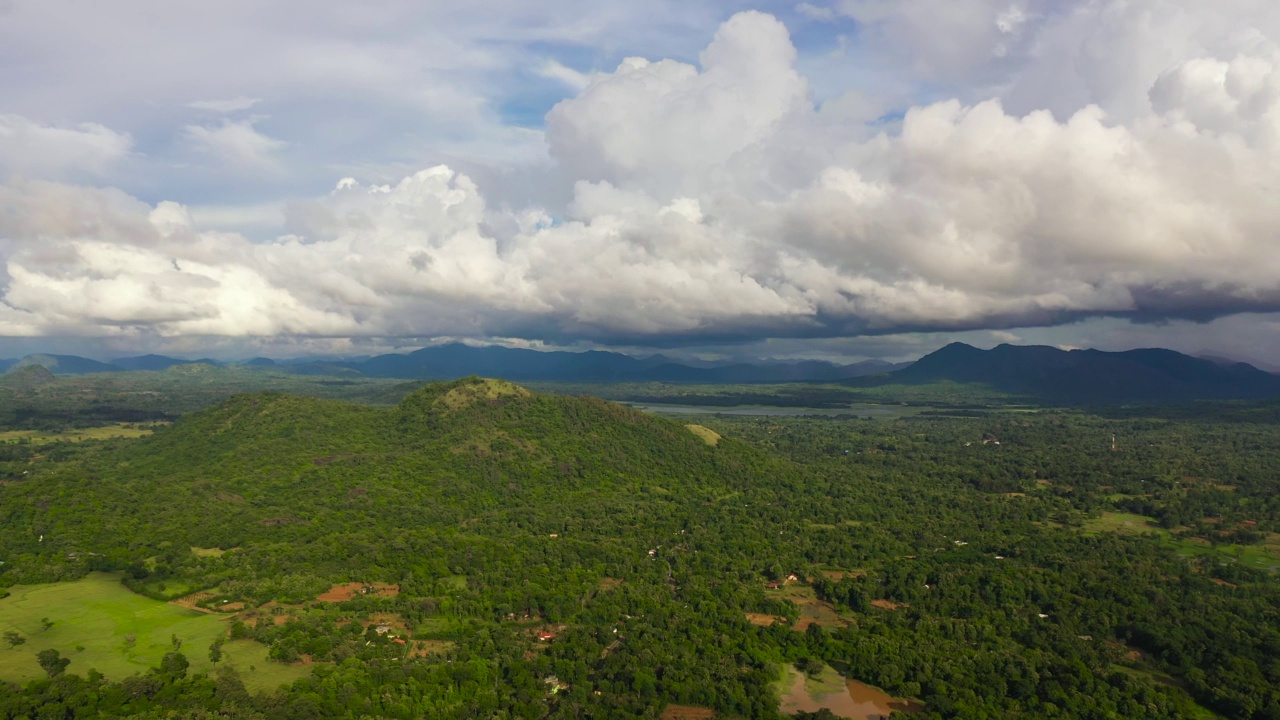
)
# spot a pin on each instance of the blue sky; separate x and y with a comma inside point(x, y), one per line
point(840, 179)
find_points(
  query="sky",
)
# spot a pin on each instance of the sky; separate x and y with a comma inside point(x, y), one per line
point(836, 179)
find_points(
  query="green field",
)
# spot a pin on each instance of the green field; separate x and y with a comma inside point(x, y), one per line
point(1259, 557)
point(93, 619)
point(105, 432)
point(1121, 522)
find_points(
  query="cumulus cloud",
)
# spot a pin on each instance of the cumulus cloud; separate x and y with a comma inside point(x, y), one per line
point(29, 148)
point(717, 200)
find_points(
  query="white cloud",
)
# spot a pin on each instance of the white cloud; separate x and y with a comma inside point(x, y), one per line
point(236, 144)
point(816, 12)
point(715, 201)
point(670, 127)
point(229, 105)
point(567, 75)
point(32, 149)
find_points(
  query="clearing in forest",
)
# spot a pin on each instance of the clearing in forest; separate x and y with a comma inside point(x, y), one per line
point(105, 432)
point(763, 620)
point(211, 552)
point(687, 712)
point(844, 698)
point(812, 610)
point(1263, 556)
point(1121, 523)
point(347, 591)
point(709, 436)
point(99, 624)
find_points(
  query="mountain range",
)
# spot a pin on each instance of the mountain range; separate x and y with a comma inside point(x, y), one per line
point(445, 362)
point(1033, 372)
point(1086, 376)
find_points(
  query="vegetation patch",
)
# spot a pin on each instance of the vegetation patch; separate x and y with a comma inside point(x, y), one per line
point(477, 390)
point(210, 552)
point(709, 436)
point(686, 712)
point(98, 624)
point(1121, 522)
point(104, 432)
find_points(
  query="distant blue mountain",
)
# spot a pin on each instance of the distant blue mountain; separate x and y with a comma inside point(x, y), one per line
point(151, 362)
point(445, 362)
point(65, 364)
point(1087, 376)
point(456, 360)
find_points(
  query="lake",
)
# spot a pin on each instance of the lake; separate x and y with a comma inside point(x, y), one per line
point(868, 411)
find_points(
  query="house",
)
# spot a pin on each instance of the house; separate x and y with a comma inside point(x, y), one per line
point(793, 578)
point(382, 629)
point(773, 585)
point(398, 641)
point(544, 636)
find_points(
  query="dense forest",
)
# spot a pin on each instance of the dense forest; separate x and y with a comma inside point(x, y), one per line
point(564, 556)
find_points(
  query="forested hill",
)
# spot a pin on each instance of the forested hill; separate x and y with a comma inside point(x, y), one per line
point(1087, 376)
point(270, 467)
point(480, 550)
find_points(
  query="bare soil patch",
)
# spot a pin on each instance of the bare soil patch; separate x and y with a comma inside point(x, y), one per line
point(763, 620)
point(347, 591)
point(687, 712)
point(887, 604)
point(609, 583)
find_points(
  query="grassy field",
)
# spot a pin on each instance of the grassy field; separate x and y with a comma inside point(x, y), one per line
point(1265, 556)
point(93, 621)
point(106, 432)
point(709, 436)
point(1119, 522)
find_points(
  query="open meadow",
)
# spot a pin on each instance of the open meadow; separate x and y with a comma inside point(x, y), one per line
point(99, 624)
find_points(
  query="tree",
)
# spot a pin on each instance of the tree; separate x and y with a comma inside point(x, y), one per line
point(811, 666)
point(215, 651)
point(174, 664)
point(52, 662)
point(13, 638)
point(46, 623)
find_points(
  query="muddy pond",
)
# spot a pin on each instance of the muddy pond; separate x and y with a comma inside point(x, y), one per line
point(844, 698)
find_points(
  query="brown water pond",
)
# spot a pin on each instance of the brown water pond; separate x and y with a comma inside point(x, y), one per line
point(852, 700)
